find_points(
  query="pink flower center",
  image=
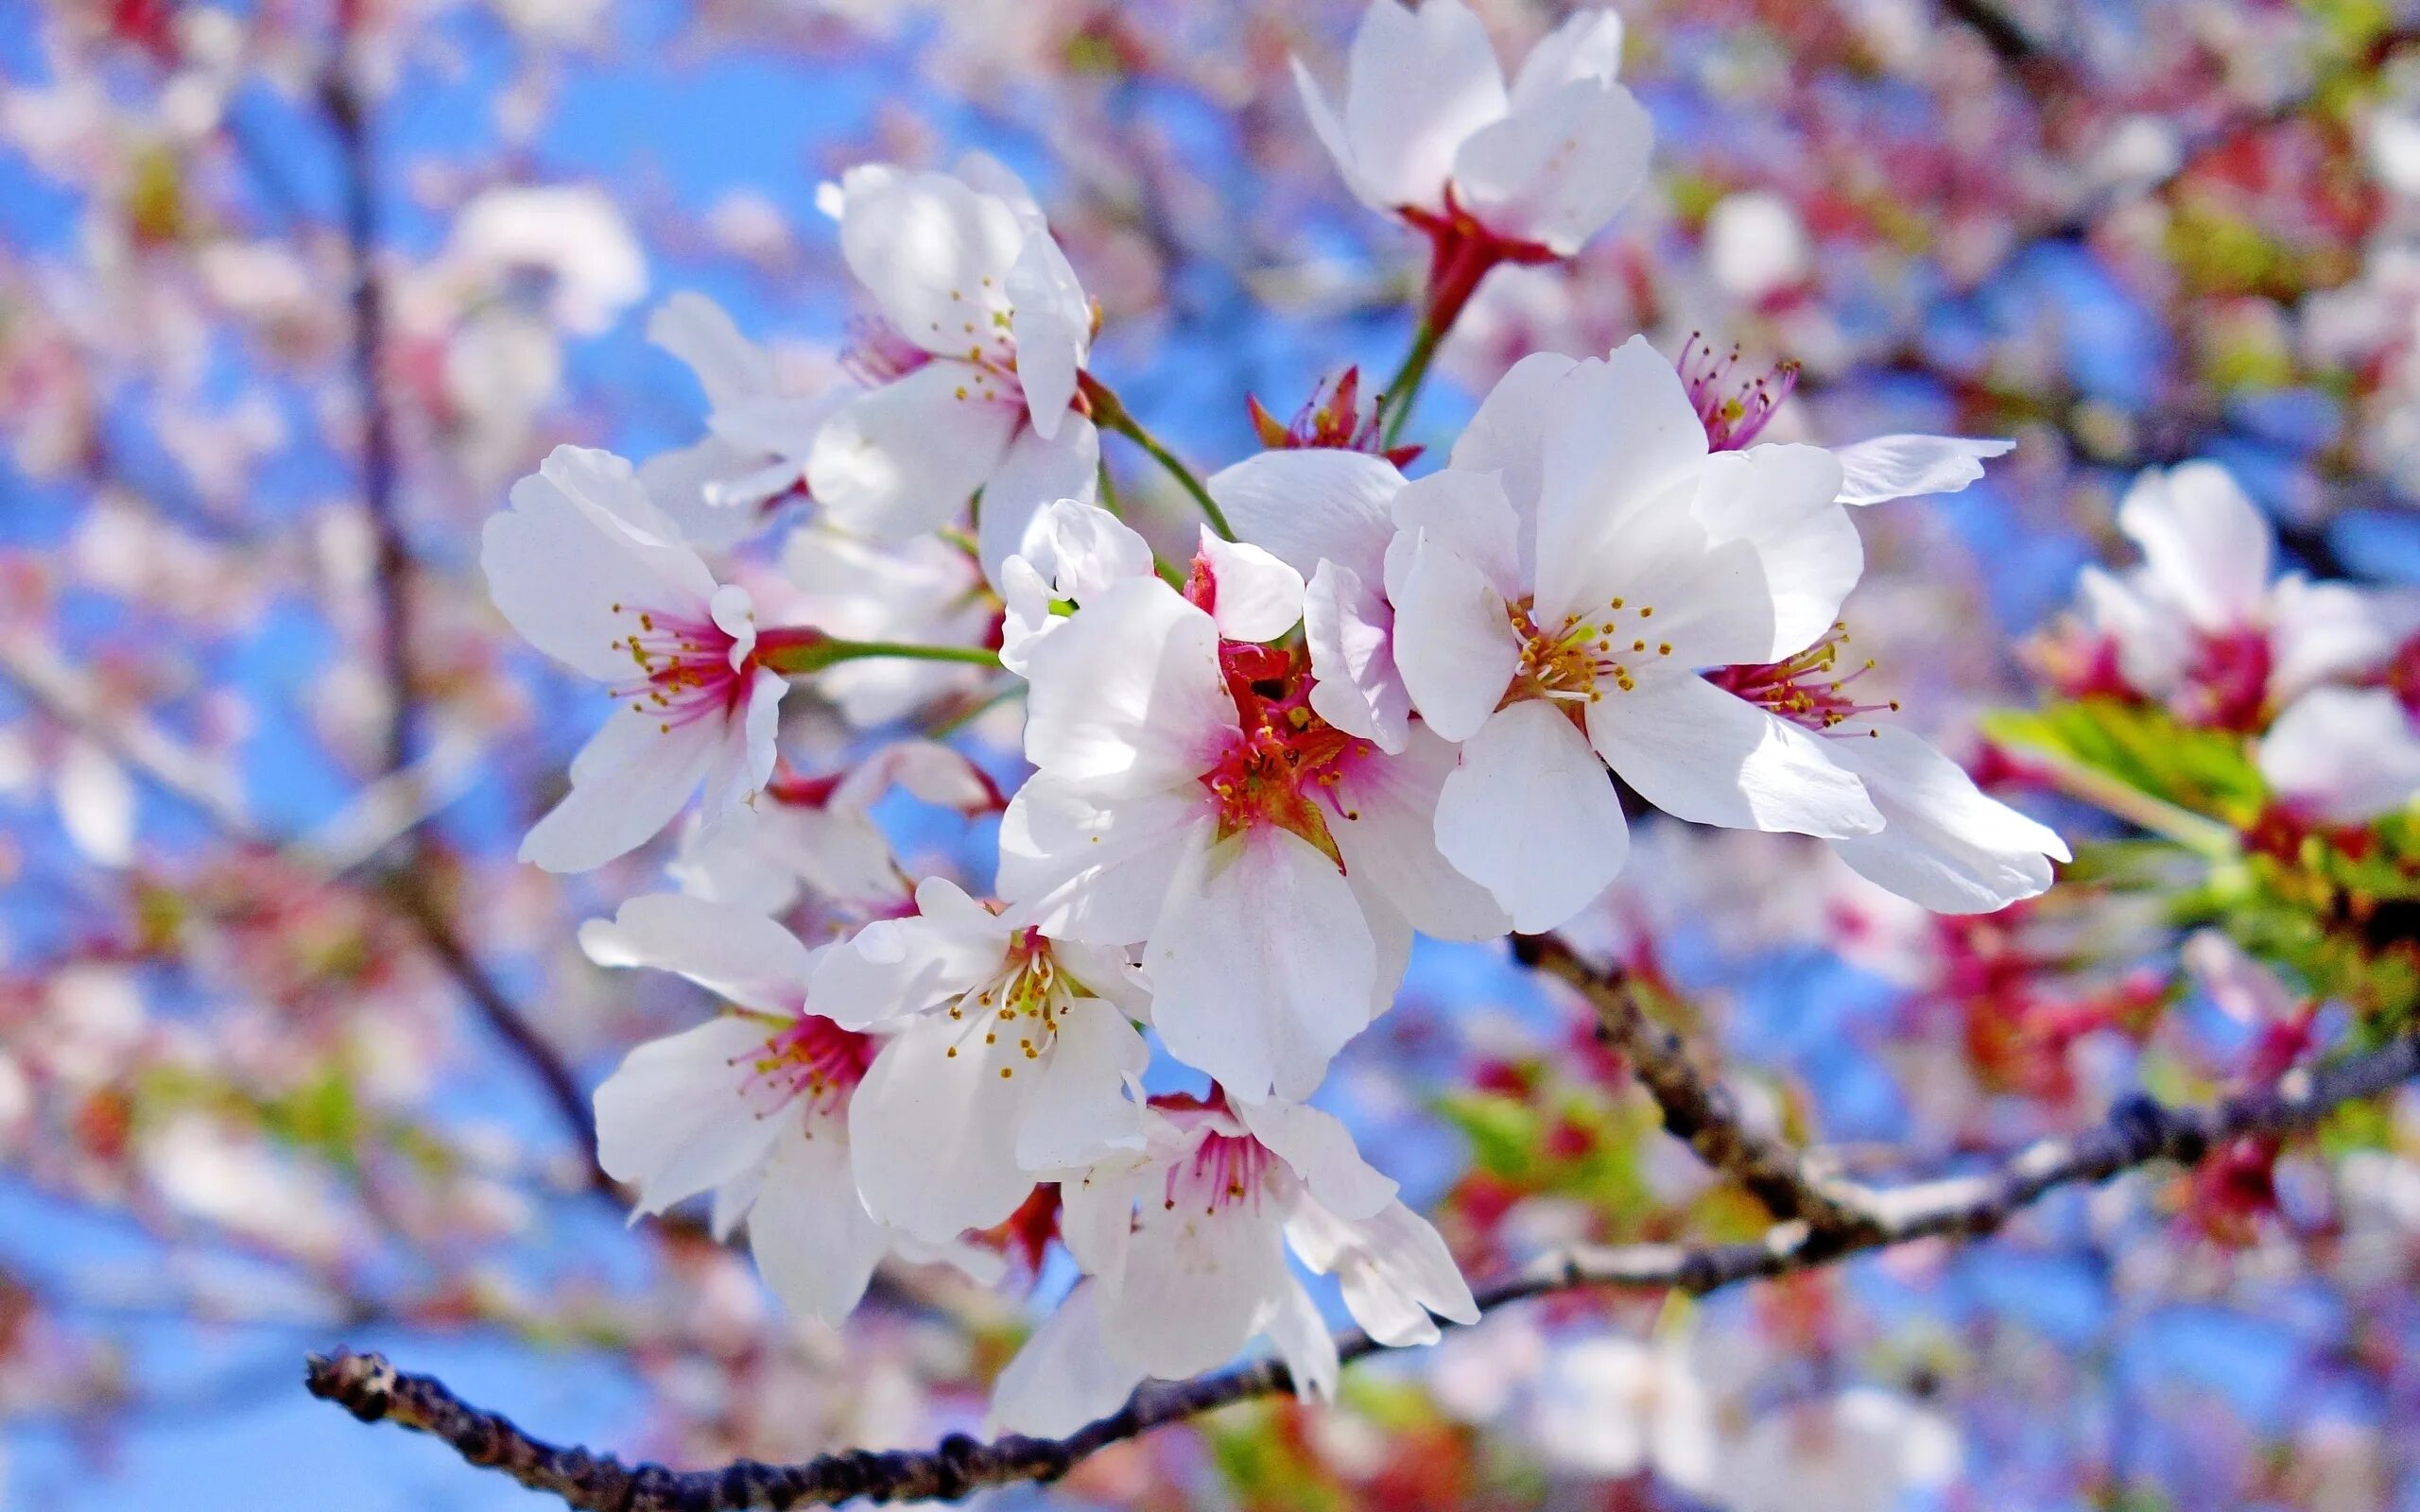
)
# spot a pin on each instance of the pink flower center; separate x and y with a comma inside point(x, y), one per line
point(1734, 410)
point(1224, 1171)
point(1332, 418)
point(2226, 687)
point(814, 1059)
point(876, 353)
point(1284, 755)
point(682, 667)
point(1808, 688)
point(2403, 676)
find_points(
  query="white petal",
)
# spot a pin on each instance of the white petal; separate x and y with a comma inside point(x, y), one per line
point(1034, 473)
point(1907, 467)
point(895, 967)
point(934, 253)
point(679, 1114)
point(1349, 632)
point(2242, 987)
point(1453, 644)
point(1507, 436)
point(1261, 964)
point(1780, 500)
point(1128, 697)
point(1079, 549)
point(626, 783)
point(1076, 1109)
point(711, 491)
point(1309, 504)
point(1090, 869)
point(1197, 1284)
point(1052, 323)
point(903, 458)
point(2345, 754)
point(1395, 1269)
point(1530, 814)
point(695, 329)
point(1555, 171)
point(1587, 46)
point(2208, 543)
point(580, 539)
point(1622, 438)
point(1943, 843)
point(1701, 755)
point(1468, 510)
point(930, 1132)
point(2323, 632)
point(1383, 813)
point(1301, 1340)
point(1329, 127)
point(732, 953)
point(1254, 596)
point(1320, 1148)
point(1065, 1377)
point(1419, 82)
point(814, 1242)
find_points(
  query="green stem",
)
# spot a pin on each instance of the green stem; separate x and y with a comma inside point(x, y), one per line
point(1403, 389)
point(1110, 415)
point(2192, 831)
point(814, 656)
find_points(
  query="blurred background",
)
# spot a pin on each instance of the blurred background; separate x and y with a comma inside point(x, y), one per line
point(293, 1053)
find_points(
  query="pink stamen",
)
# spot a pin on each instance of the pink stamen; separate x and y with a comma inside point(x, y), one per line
point(2226, 687)
point(684, 671)
point(814, 1059)
point(1806, 689)
point(1734, 411)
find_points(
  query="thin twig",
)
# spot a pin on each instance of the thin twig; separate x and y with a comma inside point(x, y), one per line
point(1698, 1109)
point(2137, 1132)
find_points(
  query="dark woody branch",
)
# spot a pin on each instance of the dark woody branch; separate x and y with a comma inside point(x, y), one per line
point(2137, 1133)
point(1697, 1108)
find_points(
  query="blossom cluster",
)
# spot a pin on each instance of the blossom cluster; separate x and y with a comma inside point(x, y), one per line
point(1365, 706)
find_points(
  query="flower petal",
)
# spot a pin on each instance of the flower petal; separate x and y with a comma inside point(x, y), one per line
point(626, 783)
point(1052, 321)
point(1033, 473)
point(1907, 467)
point(1128, 697)
point(1261, 964)
point(1419, 81)
point(1076, 1110)
point(1254, 596)
point(739, 955)
point(679, 1116)
point(1701, 755)
point(2345, 754)
point(1320, 1148)
point(934, 254)
point(1383, 812)
point(1309, 504)
point(1349, 632)
point(695, 329)
point(1065, 1376)
point(2207, 544)
point(1530, 814)
point(1559, 167)
point(1395, 1269)
point(1453, 644)
point(902, 459)
point(1093, 869)
point(931, 1126)
point(814, 1242)
point(1943, 843)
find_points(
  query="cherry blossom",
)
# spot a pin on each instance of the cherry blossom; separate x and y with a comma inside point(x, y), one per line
point(2201, 627)
point(593, 573)
point(1011, 1059)
point(1072, 552)
point(926, 591)
point(971, 362)
point(1861, 1452)
point(1186, 797)
point(1184, 1246)
point(758, 437)
point(751, 1106)
point(2344, 755)
point(1428, 131)
point(1553, 611)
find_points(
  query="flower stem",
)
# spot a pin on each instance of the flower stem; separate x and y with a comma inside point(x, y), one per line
point(2206, 836)
point(1111, 415)
point(1403, 387)
point(801, 657)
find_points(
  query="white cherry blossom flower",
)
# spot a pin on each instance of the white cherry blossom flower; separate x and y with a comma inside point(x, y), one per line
point(2202, 627)
point(1012, 1059)
point(1073, 551)
point(2344, 755)
point(1184, 1247)
point(973, 366)
point(751, 1106)
point(1428, 131)
point(1556, 601)
point(1863, 1451)
point(1186, 797)
point(591, 572)
point(757, 435)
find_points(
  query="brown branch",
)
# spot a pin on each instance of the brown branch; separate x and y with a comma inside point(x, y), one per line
point(1697, 1109)
point(2136, 1132)
point(2009, 42)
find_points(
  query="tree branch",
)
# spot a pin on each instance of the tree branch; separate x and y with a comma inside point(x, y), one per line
point(2136, 1132)
point(1696, 1110)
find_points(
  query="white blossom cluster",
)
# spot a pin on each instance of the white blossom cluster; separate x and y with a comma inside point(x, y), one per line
point(1386, 705)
